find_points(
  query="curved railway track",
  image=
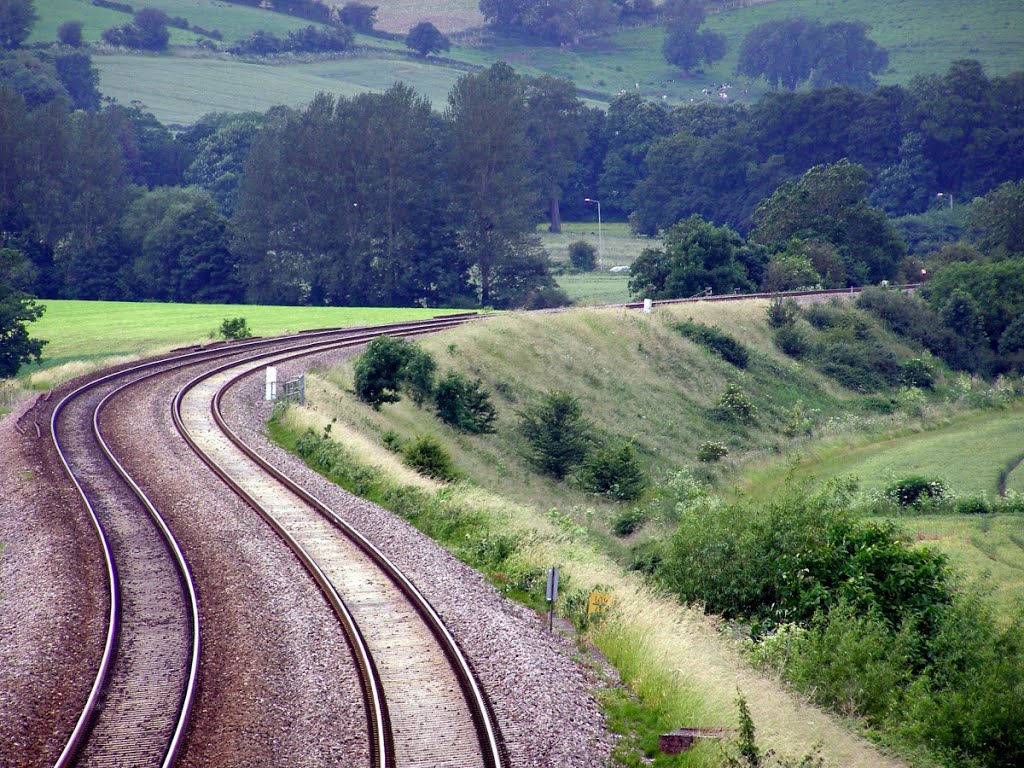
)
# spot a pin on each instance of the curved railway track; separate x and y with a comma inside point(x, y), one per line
point(139, 705)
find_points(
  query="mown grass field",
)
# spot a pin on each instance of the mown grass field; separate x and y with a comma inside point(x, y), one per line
point(94, 332)
point(966, 454)
point(180, 90)
point(922, 37)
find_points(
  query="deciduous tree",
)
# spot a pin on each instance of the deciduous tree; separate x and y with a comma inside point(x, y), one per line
point(17, 309)
point(426, 39)
point(16, 20)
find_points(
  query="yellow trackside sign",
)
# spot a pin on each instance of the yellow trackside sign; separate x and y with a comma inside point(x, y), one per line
point(598, 602)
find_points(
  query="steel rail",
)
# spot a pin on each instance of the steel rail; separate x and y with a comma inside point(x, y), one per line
point(176, 360)
point(492, 746)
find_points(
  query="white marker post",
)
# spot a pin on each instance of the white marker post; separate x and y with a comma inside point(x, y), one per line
point(271, 383)
point(648, 306)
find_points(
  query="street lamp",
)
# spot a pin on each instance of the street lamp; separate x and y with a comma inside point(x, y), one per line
point(949, 195)
point(600, 236)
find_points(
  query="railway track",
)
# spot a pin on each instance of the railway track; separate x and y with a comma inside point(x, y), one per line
point(138, 708)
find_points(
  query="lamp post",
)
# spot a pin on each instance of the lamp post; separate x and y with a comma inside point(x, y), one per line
point(949, 195)
point(600, 236)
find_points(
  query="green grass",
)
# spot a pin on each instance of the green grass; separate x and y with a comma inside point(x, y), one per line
point(922, 37)
point(988, 550)
point(180, 90)
point(967, 454)
point(592, 288)
point(89, 330)
point(233, 21)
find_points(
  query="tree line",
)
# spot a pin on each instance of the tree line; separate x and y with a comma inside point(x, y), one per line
point(379, 199)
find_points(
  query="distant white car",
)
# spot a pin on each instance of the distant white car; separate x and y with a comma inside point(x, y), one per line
point(620, 268)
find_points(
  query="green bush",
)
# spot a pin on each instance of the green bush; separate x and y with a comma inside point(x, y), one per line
point(628, 521)
point(797, 423)
point(462, 404)
point(613, 472)
point(710, 450)
point(378, 371)
point(428, 456)
point(911, 490)
point(734, 406)
point(791, 340)
point(782, 313)
point(916, 372)
point(715, 341)
point(417, 374)
point(235, 328)
point(557, 436)
point(391, 440)
point(797, 556)
point(583, 256)
point(972, 505)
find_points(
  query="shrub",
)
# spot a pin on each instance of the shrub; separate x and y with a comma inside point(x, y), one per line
point(782, 313)
point(462, 404)
point(799, 555)
point(791, 340)
point(613, 472)
point(916, 372)
point(235, 328)
point(388, 365)
point(427, 455)
point(391, 440)
point(797, 422)
point(972, 505)
point(70, 33)
point(734, 406)
point(709, 451)
point(417, 374)
point(628, 521)
point(715, 341)
point(557, 435)
point(583, 256)
point(910, 490)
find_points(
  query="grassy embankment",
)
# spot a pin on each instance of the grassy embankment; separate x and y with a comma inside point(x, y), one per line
point(638, 378)
point(922, 37)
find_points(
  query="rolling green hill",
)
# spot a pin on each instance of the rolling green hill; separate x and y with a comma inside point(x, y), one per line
point(922, 38)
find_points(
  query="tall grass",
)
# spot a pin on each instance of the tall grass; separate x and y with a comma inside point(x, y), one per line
point(679, 670)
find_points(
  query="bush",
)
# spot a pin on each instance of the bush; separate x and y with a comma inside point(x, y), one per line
point(797, 556)
point(910, 490)
point(70, 33)
point(734, 406)
point(628, 521)
point(782, 313)
point(417, 374)
point(391, 440)
point(915, 372)
point(715, 341)
point(235, 328)
point(972, 505)
point(388, 365)
point(557, 435)
point(583, 256)
point(428, 456)
point(613, 472)
point(711, 451)
point(791, 340)
point(462, 404)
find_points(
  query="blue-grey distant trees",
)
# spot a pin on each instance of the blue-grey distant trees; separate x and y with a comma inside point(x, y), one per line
point(16, 20)
point(426, 39)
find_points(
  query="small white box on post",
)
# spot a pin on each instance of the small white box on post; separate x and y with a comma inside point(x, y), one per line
point(271, 383)
point(648, 306)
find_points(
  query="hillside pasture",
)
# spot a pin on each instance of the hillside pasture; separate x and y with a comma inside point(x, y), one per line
point(231, 20)
point(180, 90)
